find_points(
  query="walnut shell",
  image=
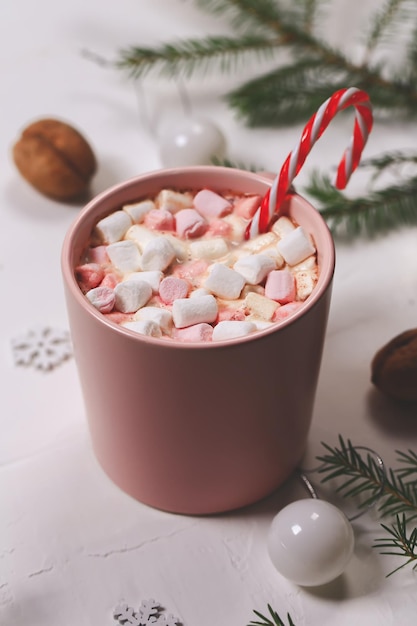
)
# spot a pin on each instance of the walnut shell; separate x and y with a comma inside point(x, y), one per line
point(55, 159)
point(394, 367)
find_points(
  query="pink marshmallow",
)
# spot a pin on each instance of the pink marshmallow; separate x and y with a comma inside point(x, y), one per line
point(159, 219)
point(197, 333)
point(210, 204)
point(191, 270)
point(117, 317)
point(102, 298)
point(219, 228)
point(172, 288)
point(230, 314)
point(190, 224)
point(280, 286)
point(89, 276)
point(246, 207)
point(110, 280)
point(285, 311)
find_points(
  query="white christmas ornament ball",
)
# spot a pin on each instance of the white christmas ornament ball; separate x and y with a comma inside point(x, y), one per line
point(191, 142)
point(310, 542)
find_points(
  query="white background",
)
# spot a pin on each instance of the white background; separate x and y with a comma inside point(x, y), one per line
point(71, 544)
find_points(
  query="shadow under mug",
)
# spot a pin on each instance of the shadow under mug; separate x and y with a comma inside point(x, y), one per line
point(198, 428)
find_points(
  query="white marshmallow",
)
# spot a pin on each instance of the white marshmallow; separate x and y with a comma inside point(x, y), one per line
point(140, 235)
point(310, 263)
point(189, 311)
point(144, 327)
point(238, 227)
point(180, 247)
point(131, 295)
point(124, 255)
point(295, 246)
point(138, 210)
point(113, 227)
point(152, 277)
point(260, 242)
point(230, 329)
point(254, 267)
point(305, 282)
point(199, 292)
point(157, 254)
point(260, 306)
point(224, 282)
point(282, 226)
point(161, 317)
point(173, 201)
point(209, 249)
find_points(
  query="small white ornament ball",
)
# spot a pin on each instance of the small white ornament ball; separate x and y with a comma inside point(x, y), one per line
point(192, 141)
point(310, 542)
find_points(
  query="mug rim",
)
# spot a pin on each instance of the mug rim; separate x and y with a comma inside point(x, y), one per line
point(324, 280)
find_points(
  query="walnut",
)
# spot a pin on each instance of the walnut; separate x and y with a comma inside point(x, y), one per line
point(394, 367)
point(55, 159)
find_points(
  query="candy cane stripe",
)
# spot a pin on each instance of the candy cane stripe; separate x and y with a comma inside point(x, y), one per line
point(315, 127)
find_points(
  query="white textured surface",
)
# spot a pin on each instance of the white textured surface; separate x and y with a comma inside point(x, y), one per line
point(72, 546)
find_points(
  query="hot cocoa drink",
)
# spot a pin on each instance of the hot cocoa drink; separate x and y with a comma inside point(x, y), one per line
point(180, 266)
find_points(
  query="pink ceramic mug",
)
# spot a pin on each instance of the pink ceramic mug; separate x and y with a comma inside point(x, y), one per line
point(198, 428)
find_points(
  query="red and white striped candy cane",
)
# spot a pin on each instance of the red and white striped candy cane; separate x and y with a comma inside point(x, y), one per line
point(313, 130)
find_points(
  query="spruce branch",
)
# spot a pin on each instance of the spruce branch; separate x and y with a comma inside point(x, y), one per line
point(400, 541)
point(183, 58)
point(376, 213)
point(274, 621)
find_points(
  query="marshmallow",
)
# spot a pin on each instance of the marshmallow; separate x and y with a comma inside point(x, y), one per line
point(260, 306)
point(282, 226)
point(172, 288)
point(285, 311)
point(144, 327)
point(209, 249)
point(232, 329)
point(180, 247)
point(247, 206)
point(159, 219)
point(173, 201)
point(124, 255)
point(199, 292)
point(131, 295)
point(224, 282)
point(189, 311)
point(295, 246)
point(273, 253)
point(190, 224)
point(89, 275)
point(157, 254)
point(255, 267)
point(113, 227)
point(138, 210)
point(310, 263)
point(196, 333)
point(219, 228)
point(305, 283)
point(111, 279)
point(97, 255)
point(280, 286)
point(260, 242)
point(210, 204)
point(102, 298)
point(237, 227)
point(140, 235)
point(153, 277)
point(156, 314)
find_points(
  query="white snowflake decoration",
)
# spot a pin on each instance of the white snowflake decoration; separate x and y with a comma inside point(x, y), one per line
point(43, 348)
point(149, 612)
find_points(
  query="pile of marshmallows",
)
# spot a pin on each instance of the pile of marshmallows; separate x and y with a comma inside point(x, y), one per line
point(178, 266)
